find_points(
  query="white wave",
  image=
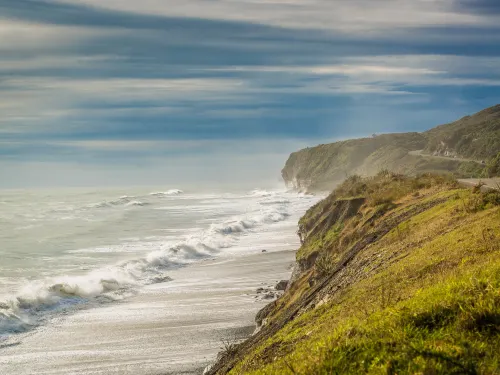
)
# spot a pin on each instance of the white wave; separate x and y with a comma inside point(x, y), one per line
point(39, 300)
point(167, 193)
point(275, 201)
point(125, 200)
point(243, 224)
point(136, 203)
point(261, 193)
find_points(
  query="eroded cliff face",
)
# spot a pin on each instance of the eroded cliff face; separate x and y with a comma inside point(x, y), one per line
point(314, 230)
point(382, 259)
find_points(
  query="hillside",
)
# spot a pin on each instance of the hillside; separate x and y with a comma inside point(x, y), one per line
point(459, 148)
point(475, 137)
point(395, 275)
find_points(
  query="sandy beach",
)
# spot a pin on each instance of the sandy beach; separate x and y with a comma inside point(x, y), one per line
point(175, 327)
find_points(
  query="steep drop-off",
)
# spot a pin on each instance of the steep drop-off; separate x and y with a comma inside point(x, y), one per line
point(462, 148)
point(395, 275)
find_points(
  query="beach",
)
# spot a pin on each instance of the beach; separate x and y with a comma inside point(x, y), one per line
point(137, 281)
point(176, 327)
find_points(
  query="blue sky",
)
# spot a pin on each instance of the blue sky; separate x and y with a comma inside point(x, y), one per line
point(120, 92)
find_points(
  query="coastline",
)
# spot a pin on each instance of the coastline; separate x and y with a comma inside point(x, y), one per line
point(176, 327)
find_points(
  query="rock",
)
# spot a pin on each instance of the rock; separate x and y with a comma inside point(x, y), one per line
point(264, 251)
point(281, 285)
point(161, 279)
point(260, 290)
point(269, 295)
point(263, 314)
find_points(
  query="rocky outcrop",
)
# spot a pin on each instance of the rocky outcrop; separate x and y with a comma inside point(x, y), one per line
point(281, 285)
point(315, 226)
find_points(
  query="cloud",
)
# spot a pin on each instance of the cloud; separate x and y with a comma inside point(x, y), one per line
point(101, 82)
point(483, 7)
point(339, 15)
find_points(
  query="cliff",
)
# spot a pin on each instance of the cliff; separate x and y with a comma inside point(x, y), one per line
point(462, 148)
point(395, 275)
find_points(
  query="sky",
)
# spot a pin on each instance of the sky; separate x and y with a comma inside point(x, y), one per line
point(179, 92)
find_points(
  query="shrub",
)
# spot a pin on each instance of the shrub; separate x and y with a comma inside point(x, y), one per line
point(325, 263)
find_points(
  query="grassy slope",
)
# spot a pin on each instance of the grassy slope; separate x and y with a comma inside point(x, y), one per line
point(421, 296)
point(474, 137)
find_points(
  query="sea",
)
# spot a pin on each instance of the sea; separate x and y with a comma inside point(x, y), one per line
point(65, 250)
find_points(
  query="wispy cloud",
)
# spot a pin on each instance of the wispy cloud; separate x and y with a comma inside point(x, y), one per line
point(89, 80)
point(345, 16)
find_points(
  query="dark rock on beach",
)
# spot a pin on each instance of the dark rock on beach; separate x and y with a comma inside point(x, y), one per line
point(281, 285)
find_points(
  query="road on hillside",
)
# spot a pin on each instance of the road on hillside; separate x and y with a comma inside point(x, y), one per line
point(489, 183)
point(421, 153)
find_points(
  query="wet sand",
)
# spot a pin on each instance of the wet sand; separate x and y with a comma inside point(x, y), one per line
point(171, 328)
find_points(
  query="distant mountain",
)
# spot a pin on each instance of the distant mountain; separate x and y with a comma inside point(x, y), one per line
point(464, 148)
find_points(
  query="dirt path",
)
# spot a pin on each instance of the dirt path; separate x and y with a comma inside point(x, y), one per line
point(489, 183)
point(420, 153)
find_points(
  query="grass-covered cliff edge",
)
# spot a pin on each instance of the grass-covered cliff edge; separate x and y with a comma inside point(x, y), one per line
point(466, 148)
point(395, 275)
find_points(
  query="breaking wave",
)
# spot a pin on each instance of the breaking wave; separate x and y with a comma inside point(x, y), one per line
point(136, 203)
point(128, 201)
point(125, 200)
point(40, 300)
point(240, 225)
point(167, 193)
point(262, 193)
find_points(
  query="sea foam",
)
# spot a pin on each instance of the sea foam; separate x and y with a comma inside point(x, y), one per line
point(167, 193)
point(39, 300)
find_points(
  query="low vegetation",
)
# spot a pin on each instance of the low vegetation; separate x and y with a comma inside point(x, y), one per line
point(492, 169)
point(400, 275)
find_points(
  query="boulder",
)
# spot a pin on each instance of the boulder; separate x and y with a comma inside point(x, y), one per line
point(269, 295)
point(281, 285)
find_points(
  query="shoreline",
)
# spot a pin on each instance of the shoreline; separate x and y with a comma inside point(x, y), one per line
point(176, 327)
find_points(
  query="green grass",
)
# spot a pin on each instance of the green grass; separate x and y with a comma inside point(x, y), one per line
point(450, 328)
point(378, 192)
point(423, 299)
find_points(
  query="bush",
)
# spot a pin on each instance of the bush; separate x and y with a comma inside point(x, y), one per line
point(386, 186)
point(492, 169)
point(325, 264)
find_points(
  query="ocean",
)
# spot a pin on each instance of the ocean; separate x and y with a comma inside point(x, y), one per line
point(64, 251)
